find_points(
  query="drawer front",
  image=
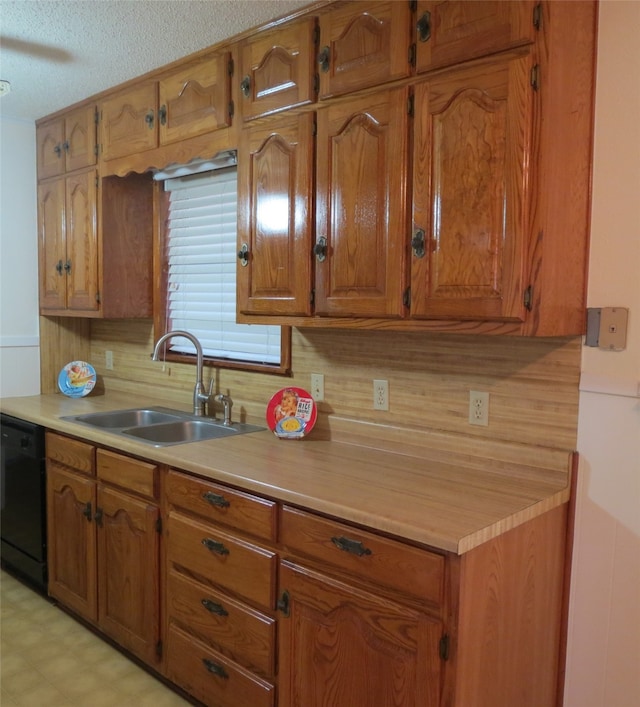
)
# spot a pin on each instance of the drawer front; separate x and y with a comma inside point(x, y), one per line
point(132, 474)
point(240, 632)
point(71, 452)
point(224, 560)
point(212, 678)
point(236, 509)
point(408, 569)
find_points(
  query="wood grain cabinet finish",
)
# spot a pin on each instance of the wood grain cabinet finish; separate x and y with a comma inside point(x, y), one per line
point(275, 216)
point(277, 69)
point(363, 44)
point(67, 142)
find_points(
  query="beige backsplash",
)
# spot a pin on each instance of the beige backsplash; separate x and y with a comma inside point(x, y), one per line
point(533, 383)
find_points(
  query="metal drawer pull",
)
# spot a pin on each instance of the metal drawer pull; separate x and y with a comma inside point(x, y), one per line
point(86, 511)
point(424, 27)
point(355, 547)
point(215, 499)
point(215, 668)
point(214, 608)
point(283, 603)
point(215, 546)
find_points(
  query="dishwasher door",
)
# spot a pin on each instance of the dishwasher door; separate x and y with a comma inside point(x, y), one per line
point(23, 508)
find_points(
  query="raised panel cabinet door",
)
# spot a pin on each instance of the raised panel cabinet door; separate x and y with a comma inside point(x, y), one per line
point(128, 121)
point(277, 69)
point(361, 212)
point(81, 265)
point(72, 540)
point(275, 218)
point(340, 645)
point(451, 32)
point(195, 99)
point(49, 150)
point(128, 571)
point(363, 44)
point(472, 153)
point(52, 244)
point(80, 138)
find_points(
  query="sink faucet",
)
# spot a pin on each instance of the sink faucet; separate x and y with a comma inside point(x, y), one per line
point(200, 398)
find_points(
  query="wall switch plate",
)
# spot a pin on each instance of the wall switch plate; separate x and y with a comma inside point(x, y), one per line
point(380, 395)
point(478, 408)
point(108, 360)
point(317, 386)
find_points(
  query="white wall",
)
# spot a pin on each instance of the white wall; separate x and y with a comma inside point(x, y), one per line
point(19, 338)
point(603, 659)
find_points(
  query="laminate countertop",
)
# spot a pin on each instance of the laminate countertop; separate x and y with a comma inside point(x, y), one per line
point(436, 496)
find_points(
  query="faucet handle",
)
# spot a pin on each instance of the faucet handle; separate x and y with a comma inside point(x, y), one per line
point(211, 386)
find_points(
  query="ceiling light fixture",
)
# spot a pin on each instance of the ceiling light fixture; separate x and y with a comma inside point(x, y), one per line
point(5, 87)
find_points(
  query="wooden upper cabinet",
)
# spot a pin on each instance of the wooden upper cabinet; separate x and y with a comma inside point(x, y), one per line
point(66, 143)
point(195, 98)
point(275, 218)
point(277, 69)
point(363, 44)
point(361, 221)
point(472, 150)
point(457, 30)
point(128, 121)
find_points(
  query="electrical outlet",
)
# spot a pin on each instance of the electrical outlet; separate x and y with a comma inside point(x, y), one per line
point(317, 386)
point(380, 395)
point(108, 360)
point(478, 408)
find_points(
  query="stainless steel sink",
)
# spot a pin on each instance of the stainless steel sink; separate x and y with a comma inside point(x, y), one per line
point(161, 426)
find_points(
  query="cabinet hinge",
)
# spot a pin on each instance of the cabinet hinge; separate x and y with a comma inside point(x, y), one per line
point(231, 109)
point(230, 67)
point(443, 648)
point(96, 149)
point(159, 649)
point(412, 54)
point(314, 129)
point(316, 83)
point(98, 299)
point(96, 116)
point(97, 181)
point(537, 16)
point(159, 526)
point(527, 298)
point(312, 297)
point(410, 105)
point(535, 77)
point(316, 35)
point(406, 297)
point(413, 4)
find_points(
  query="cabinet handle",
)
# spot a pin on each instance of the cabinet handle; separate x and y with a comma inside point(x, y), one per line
point(58, 150)
point(214, 608)
point(67, 267)
point(215, 546)
point(424, 27)
point(215, 668)
point(417, 243)
point(323, 58)
point(98, 516)
point(320, 249)
point(59, 267)
point(245, 86)
point(243, 255)
point(162, 114)
point(148, 119)
point(216, 499)
point(65, 146)
point(355, 547)
point(283, 604)
point(86, 511)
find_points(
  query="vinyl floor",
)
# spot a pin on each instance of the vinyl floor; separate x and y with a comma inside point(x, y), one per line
point(47, 659)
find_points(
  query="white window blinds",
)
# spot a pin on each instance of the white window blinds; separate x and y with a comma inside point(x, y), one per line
point(201, 296)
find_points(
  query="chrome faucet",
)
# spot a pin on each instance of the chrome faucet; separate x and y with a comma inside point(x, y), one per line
point(200, 398)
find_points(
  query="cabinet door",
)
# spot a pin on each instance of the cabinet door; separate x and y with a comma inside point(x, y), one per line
point(470, 191)
point(51, 244)
point(195, 99)
point(451, 32)
point(81, 242)
point(49, 151)
point(277, 69)
point(128, 571)
point(128, 121)
point(360, 207)
point(80, 138)
point(363, 44)
point(342, 645)
point(275, 183)
point(72, 540)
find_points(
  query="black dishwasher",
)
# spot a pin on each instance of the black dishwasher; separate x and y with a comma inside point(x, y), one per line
point(23, 506)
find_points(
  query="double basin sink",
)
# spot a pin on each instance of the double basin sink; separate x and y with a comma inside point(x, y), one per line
point(161, 426)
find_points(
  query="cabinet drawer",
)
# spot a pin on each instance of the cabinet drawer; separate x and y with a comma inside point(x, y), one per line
point(224, 560)
point(251, 514)
point(132, 474)
point(212, 678)
point(393, 564)
point(71, 452)
point(242, 633)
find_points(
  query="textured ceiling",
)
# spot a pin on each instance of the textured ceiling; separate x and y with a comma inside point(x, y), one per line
point(57, 52)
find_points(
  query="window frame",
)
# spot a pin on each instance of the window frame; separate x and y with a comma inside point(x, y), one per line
point(160, 287)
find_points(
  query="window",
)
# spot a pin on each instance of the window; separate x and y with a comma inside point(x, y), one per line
point(198, 281)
